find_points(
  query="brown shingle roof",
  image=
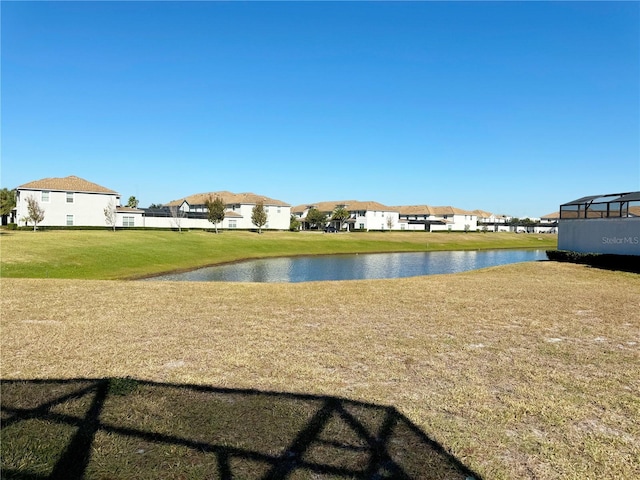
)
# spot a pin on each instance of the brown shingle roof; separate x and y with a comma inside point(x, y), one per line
point(66, 184)
point(129, 210)
point(229, 198)
point(448, 210)
point(482, 213)
point(552, 215)
point(415, 210)
point(350, 205)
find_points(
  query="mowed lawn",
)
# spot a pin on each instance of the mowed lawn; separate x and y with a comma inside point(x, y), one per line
point(124, 254)
point(519, 371)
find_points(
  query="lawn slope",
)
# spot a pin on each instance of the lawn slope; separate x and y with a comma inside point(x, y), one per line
point(91, 254)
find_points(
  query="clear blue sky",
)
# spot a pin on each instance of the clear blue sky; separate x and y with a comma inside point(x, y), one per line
point(508, 107)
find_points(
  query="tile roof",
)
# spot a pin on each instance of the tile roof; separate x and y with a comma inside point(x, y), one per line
point(415, 210)
point(448, 210)
point(482, 213)
point(551, 215)
point(350, 205)
point(66, 184)
point(228, 198)
point(129, 210)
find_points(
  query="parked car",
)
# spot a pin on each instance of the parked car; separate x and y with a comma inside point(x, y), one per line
point(330, 230)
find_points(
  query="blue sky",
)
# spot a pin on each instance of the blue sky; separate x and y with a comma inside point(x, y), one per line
point(510, 107)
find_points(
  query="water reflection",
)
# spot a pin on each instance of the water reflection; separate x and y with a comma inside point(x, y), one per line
point(355, 267)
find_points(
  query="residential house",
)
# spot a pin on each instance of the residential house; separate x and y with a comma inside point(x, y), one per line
point(73, 201)
point(434, 219)
point(548, 223)
point(490, 222)
point(362, 215)
point(191, 212)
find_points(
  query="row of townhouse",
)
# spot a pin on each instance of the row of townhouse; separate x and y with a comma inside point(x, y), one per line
point(73, 201)
point(375, 216)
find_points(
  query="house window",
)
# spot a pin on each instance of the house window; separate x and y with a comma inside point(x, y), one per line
point(128, 221)
point(402, 226)
point(361, 226)
point(45, 196)
point(232, 224)
point(69, 220)
point(278, 209)
point(69, 197)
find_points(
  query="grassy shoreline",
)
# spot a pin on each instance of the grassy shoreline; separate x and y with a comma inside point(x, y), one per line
point(91, 254)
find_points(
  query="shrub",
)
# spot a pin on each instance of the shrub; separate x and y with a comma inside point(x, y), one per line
point(627, 263)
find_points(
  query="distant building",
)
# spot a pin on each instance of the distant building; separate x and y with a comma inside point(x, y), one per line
point(434, 219)
point(601, 224)
point(239, 207)
point(548, 223)
point(366, 215)
point(73, 201)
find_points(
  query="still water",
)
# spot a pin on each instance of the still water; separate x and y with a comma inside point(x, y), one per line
point(354, 267)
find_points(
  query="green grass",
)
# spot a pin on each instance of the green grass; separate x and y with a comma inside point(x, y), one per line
point(150, 430)
point(91, 254)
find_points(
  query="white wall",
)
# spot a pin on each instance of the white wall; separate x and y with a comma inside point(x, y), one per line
point(87, 208)
point(600, 235)
point(457, 223)
point(276, 220)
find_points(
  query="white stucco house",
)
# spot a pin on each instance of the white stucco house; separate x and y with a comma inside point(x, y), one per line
point(239, 208)
point(376, 216)
point(491, 222)
point(366, 215)
point(548, 223)
point(435, 219)
point(73, 201)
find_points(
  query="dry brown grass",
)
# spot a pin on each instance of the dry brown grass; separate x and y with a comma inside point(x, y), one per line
point(521, 371)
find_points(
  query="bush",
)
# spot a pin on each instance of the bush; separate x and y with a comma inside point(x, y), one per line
point(627, 263)
point(12, 226)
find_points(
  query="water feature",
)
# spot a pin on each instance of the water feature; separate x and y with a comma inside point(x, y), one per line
point(354, 266)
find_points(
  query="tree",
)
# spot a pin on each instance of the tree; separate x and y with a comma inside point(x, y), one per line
point(316, 218)
point(155, 205)
point(177, 215)
point(259, 216)
point(390, 222)
point(294, 224)
point(7, 201)
point(215, 211)
point(340, 214)
point(133, 202)
point(35, 211)
point(110, 214)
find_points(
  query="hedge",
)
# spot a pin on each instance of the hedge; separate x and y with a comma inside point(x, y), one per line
point(627, 263)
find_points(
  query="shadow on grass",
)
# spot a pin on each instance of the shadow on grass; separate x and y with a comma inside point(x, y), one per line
point(126, 428)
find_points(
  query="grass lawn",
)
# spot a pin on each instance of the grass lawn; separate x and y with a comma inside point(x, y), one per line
point(104, 254)
point(520, 371)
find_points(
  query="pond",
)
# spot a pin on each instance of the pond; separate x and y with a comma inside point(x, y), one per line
point(354, 266)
